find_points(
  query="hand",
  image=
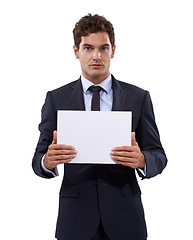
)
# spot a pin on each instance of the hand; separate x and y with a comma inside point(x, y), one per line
point(58, 154)
point(130, 156)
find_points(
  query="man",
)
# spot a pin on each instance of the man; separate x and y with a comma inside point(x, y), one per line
point(99, 201)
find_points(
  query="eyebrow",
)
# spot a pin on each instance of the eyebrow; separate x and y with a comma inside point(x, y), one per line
point(89, 45)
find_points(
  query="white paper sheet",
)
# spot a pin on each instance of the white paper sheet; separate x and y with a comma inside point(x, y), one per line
point(94, 134)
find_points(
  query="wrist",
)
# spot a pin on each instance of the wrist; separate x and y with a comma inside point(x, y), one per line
point(142, 161)
point(46, 164)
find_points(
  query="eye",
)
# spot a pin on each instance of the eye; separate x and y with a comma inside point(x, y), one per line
point(88, 49)
point(104, 48)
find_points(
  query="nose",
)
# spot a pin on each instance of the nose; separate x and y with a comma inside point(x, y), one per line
point(96, 55)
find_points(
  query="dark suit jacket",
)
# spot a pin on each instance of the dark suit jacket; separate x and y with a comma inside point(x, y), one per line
point(107, 192)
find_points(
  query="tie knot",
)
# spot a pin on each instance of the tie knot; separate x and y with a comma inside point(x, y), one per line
point(95, 89)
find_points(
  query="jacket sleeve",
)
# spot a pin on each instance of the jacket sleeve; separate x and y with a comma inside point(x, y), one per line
point(46, 127)
point(149, 142)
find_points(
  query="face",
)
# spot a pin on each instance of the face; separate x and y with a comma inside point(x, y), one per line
point(95, 53)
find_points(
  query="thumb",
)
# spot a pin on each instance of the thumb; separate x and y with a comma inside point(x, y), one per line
point(54, 137)
point(133, 141)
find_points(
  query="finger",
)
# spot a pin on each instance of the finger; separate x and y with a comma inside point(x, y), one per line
point(64, 161)
point(57, 158)
point(123, 159)
point(127, 164)
point(60, 147)
point(125, 149)
point(54, 164)
point(133, 140)
point(121, 148)
point(54, 137)
point(62, 152)
point(67, 147)
point(121, 153)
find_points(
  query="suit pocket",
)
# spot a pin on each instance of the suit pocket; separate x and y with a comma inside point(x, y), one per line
point(69, 191)
point(131, 190)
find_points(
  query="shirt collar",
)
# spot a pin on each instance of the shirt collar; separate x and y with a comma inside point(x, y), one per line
point(106, 84)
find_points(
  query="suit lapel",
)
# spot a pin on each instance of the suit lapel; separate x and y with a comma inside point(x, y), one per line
point(119, 95)
point(77, 98)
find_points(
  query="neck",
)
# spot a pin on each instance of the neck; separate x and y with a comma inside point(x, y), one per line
point(96, 79)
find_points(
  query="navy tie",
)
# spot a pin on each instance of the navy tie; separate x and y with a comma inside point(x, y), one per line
point(95, 104)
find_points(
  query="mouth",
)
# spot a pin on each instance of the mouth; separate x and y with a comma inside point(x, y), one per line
point(96, 65)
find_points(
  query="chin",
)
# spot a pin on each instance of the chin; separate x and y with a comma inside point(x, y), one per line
point(97, 74)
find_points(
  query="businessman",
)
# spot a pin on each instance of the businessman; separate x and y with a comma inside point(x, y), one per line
point(99, 201)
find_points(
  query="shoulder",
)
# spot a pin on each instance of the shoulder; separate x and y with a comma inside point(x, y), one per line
point(129, 88)
point(64, 88)
point(64, 92)
point(66, 96)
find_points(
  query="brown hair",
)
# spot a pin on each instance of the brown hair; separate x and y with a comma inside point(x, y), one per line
point(92, 24)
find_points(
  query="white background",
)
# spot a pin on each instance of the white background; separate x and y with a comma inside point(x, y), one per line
point(154, 51)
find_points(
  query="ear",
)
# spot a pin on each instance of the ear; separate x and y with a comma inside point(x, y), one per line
point(113, 51)
point(76, 51)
